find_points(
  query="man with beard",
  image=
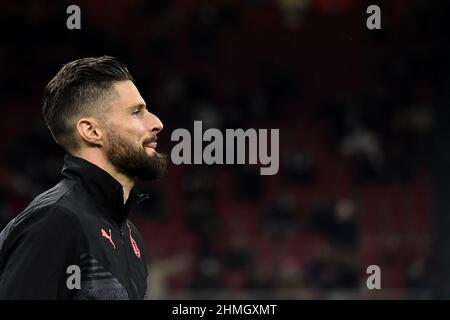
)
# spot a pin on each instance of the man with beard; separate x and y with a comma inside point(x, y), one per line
point(74, 241)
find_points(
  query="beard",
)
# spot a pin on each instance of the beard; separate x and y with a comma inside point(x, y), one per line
point(133, 161)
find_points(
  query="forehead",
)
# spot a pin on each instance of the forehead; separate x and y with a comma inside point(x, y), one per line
point(127, 95)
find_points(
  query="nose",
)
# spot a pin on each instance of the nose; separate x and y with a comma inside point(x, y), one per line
point(155, 124)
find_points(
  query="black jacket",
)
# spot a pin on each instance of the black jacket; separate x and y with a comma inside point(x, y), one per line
point(81, 222)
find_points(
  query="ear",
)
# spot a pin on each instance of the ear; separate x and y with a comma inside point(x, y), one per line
point(90, 131)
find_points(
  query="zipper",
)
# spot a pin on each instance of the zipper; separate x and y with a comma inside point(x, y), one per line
point(130, 280)
point(132, 285)
point(121, 234)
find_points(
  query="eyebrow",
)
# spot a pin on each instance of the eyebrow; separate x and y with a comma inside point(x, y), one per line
point(137, 106)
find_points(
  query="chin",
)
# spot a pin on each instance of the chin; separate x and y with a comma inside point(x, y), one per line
point(150, 151)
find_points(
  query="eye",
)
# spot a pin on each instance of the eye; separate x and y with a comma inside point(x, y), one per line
point(137, 111)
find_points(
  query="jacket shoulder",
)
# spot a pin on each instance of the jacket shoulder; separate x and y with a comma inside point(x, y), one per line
point(48, 209)
point(56, 195)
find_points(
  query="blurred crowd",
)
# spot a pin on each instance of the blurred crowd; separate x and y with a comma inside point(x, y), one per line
point(357, 111)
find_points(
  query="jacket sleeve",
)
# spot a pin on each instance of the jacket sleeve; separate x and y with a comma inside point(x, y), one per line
point(37, 253)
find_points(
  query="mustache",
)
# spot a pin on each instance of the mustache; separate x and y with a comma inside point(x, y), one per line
point(150, 140)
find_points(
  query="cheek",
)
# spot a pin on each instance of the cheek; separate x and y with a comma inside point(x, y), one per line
point(134, 132)
point(128, 136)
point(137, 137)
point(139, 132)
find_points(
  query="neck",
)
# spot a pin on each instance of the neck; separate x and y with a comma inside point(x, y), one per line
point(100, 161)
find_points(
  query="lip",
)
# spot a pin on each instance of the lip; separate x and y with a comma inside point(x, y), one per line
point(151, 145)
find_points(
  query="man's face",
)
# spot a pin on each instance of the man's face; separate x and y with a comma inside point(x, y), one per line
point(131, 135)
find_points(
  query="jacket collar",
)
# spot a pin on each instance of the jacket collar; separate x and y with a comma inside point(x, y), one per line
point(106, 190)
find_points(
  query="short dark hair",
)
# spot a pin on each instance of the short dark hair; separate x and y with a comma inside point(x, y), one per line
point(77, 90)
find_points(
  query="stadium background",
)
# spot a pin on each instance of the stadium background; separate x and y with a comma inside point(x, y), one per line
point(363, 138)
